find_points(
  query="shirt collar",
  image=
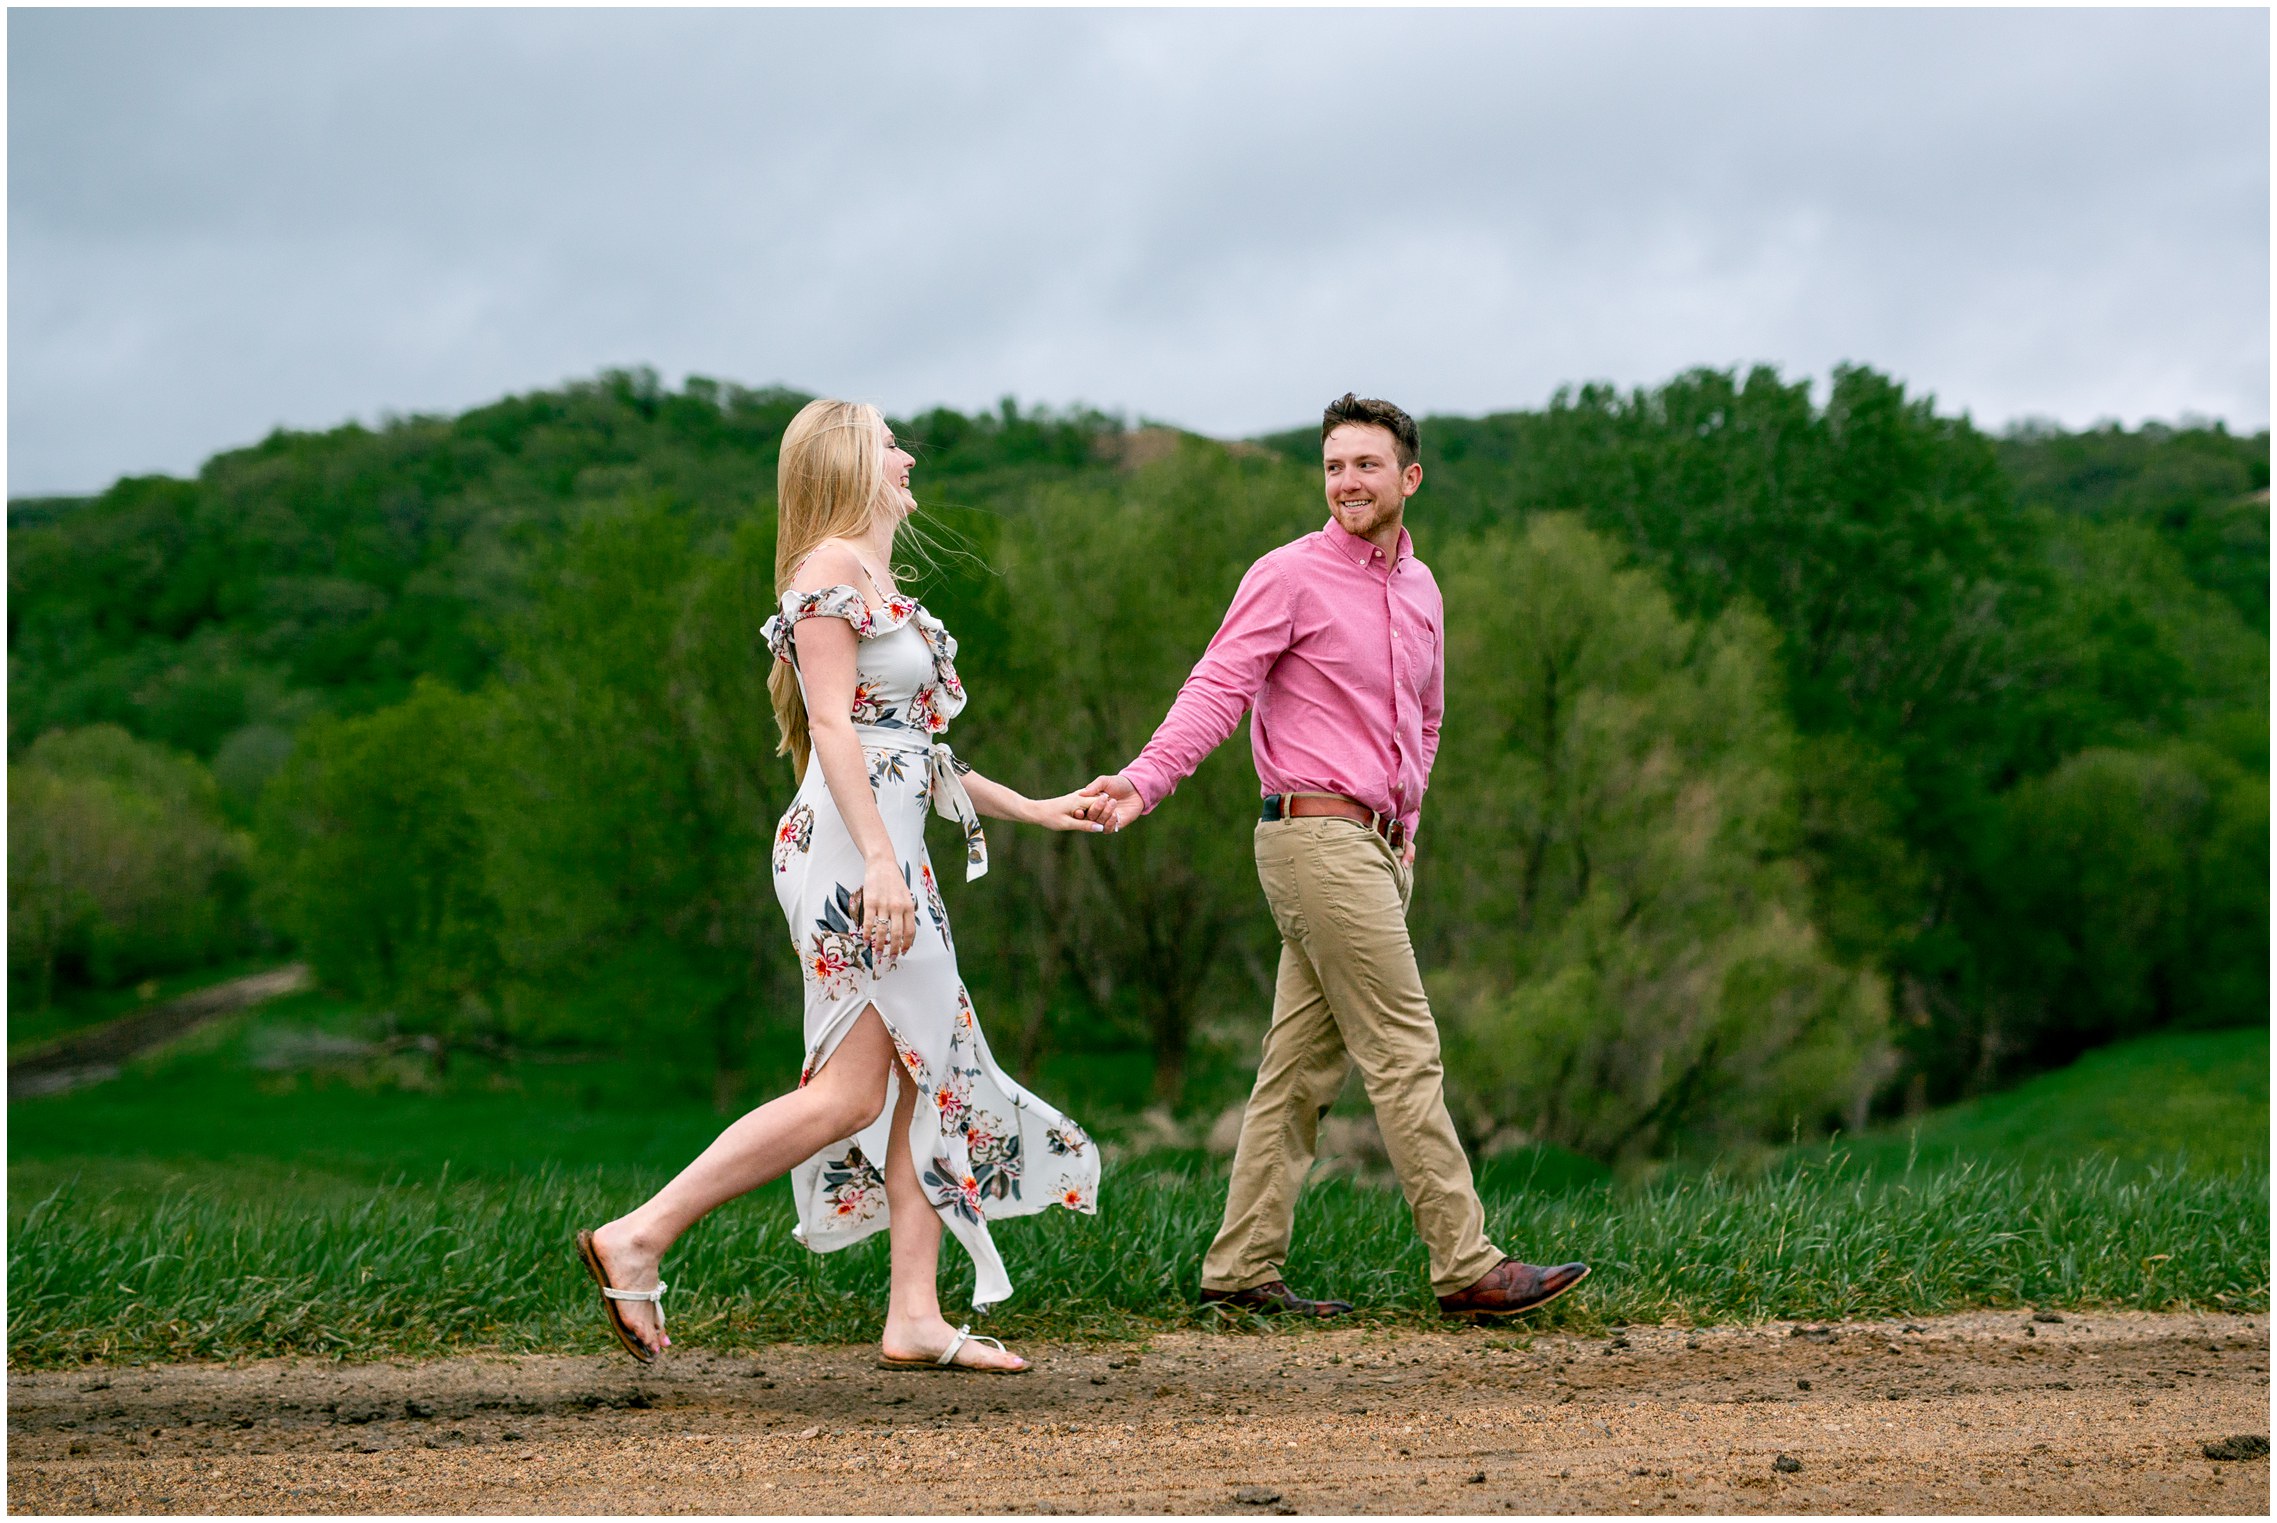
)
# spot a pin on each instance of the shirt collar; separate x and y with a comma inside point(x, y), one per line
point(1358, 551)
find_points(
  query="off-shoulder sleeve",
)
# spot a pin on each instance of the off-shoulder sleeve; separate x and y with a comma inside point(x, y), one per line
point(839, 602)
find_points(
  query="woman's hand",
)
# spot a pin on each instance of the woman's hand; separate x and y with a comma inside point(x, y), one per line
point(1112, 800)
point(998, 802)
point(889, 912)
point(1070, 811)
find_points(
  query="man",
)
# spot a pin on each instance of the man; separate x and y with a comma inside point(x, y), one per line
point(1335, 639)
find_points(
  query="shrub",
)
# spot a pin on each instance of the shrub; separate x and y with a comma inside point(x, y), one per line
point(119, 863)
point(1635, 966)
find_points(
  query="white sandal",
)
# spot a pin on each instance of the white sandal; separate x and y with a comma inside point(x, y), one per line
point(610, 1293)
point(948, 1359)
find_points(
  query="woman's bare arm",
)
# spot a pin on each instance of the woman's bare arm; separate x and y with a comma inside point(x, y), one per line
point(998, 802)
point(828, 657)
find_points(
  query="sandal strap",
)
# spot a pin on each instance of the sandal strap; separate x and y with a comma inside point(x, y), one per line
point(654, 1297)
point(964, 1336)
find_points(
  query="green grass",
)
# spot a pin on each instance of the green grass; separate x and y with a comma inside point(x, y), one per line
point(2196, 1099)
point(252, 1100)
point(245, 1193)
point(242, 1105)
point(440, 1268)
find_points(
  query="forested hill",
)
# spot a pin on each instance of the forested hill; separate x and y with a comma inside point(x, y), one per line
point(1808, 751)
point(326, 571)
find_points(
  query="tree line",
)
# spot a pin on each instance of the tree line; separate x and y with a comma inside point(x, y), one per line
point(1805, 756)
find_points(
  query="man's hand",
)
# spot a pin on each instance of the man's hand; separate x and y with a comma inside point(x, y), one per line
point(1114, 802)
point(1407, 853)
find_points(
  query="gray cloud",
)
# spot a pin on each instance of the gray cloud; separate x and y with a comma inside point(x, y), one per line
point(224, 221)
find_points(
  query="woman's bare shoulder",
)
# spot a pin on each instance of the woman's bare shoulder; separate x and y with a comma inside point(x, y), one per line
point(833, 563)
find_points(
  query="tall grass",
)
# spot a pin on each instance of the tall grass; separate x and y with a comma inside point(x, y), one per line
point(459, 1266)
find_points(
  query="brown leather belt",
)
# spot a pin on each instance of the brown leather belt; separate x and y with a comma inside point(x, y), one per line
point(1306, 806)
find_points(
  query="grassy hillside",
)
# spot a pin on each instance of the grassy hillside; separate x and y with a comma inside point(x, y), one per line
point(2201, 1097)
point(310, 1087)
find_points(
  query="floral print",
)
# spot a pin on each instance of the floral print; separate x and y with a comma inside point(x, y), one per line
point(913, 1062)
point(794, 834)
point(872, 709)
point(943, 645)
point(934, 694)
point(853, 1186)
point(836, 955)
point(925, 711)
point(938, 913)
point(994, 1149)
point(985, 1133)
point(950, 1097)
point(986, 1148)
point(832, 961)
point(954, 1189)
point(999, 1178)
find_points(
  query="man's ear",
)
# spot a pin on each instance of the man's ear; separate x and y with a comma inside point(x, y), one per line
point(1411, 478)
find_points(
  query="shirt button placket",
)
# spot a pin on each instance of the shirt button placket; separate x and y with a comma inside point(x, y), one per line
point(1398, 645)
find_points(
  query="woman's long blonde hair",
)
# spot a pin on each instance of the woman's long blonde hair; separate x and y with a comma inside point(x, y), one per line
point(828, 481)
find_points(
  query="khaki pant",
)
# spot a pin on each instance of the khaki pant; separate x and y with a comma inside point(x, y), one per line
point(1348, 994)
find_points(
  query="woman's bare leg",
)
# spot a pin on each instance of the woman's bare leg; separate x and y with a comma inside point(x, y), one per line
point(841, 1099)
point(915, 1328)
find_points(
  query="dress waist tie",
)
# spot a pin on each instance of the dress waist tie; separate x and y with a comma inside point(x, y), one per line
point(950, 800)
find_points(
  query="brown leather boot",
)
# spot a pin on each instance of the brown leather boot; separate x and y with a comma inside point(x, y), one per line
point(1511, 1287)
point(1273, 1298)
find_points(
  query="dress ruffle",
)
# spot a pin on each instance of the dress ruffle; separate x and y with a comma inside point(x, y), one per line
point(845, 602)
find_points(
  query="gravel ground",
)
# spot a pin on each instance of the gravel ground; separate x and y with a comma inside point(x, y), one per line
point(1989, 1412)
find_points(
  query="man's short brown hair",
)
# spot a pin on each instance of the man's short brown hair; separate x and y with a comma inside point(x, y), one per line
point(1375, 413)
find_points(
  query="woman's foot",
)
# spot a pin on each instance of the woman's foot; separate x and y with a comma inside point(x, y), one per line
point(631, 1265)
point(926, 1340)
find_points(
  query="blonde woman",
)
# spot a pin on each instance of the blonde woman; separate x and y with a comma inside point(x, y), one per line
point(901, 1118)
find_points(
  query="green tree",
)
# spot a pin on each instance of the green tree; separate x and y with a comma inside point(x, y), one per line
point(631, 808)
point(1112, 590)
point(2202, 489)
point(372, 861)
point(2137, 896)
point(120, 864)
point(1610, 885)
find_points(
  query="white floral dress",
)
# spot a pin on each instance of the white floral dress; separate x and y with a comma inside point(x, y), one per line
point(983, 1146)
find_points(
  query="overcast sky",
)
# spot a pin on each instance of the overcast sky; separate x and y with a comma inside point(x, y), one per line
point(220, 222)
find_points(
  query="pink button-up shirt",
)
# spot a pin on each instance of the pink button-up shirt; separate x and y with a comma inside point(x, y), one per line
point(1341, 655)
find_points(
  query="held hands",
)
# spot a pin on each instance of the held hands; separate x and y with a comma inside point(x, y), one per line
point(1070, 811)
point(1112, 801)
point(888, 912)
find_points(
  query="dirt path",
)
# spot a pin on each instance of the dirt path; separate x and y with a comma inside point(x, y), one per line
point(91, 1056)
point(1981, 1413)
